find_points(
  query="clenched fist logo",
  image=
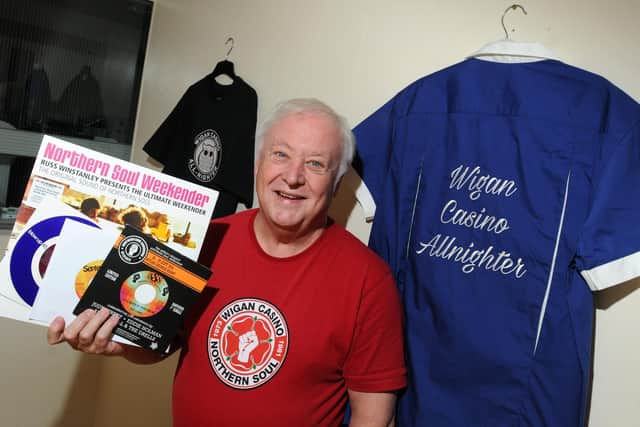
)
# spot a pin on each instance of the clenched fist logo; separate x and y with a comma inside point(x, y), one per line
point(246, 344)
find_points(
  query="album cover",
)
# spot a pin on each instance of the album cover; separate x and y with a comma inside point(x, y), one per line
point(113, 192)
point(148, 284)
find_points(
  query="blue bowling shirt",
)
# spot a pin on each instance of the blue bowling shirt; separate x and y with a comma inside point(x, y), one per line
point(505, 194)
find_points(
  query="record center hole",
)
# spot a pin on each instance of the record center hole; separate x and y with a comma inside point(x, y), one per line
point(145, 293)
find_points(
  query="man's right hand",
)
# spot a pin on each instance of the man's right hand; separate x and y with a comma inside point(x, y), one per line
point(90, 333)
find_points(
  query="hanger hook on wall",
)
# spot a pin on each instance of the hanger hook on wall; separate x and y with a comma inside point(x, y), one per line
point(230, 39)
point(512, 7)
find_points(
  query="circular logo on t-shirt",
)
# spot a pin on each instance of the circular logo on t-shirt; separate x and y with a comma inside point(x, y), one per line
point(248, 342)
point(206, 158)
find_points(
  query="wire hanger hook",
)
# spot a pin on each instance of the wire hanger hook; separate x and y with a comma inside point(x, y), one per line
point(230, 39)
point(512, 7)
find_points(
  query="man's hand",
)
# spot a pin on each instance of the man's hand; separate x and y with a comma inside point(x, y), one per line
point(90, 332)
point(247, 343)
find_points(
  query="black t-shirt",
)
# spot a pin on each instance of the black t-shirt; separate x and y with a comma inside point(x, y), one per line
point(208, 139)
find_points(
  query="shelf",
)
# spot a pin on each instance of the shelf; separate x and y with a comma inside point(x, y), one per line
point(24, 143)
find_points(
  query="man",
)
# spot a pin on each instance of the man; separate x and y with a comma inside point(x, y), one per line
point(304, 315)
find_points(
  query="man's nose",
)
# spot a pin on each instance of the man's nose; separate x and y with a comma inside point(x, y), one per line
point(294, 174)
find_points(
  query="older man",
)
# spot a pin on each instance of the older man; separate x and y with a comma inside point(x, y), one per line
point(304, 316)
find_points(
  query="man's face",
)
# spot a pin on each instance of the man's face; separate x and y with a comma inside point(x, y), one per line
point(296, 171)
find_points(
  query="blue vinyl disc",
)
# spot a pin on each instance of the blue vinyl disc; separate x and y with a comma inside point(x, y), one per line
point(25, 249)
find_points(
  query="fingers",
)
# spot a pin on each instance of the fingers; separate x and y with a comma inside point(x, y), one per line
point(87, 334)
point(102, 340)
point(90, 332)
point(55, 331)
point(73, 330)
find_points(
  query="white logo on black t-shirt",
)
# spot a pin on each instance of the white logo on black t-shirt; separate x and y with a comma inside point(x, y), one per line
point(207, 154)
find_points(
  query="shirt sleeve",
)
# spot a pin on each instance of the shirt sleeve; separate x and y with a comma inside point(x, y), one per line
point(375, 362)
point(236, 127)
point(374, 149)
point(159, 145)
point(381, 144)
point(609, 247)
point(245, 185)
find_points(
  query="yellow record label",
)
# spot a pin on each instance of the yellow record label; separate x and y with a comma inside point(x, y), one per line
point(86, 275)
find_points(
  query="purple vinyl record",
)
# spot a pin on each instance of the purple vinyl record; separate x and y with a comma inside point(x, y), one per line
point(26, 248)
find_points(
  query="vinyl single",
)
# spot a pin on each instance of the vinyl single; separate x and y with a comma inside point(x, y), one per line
point(24, 265)
point(149, 285)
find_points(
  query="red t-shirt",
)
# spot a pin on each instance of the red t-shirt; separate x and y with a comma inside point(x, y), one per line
point(279, 341)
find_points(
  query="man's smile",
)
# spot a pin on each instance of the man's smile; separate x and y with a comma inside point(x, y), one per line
point(289, 196)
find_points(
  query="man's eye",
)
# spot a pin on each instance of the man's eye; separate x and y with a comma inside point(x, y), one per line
point(279, 154)
point(316, 166)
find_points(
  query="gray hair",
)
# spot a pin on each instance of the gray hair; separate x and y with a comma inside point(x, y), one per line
point(311, 105)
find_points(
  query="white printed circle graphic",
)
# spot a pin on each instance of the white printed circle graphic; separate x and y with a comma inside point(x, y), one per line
point(207, 156)
point(248, 342)
point(133, 249)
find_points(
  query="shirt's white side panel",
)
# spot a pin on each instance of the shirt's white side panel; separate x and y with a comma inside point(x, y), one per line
point(543, 309)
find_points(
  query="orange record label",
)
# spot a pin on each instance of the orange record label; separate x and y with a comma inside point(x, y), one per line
point(144, 293)
point(86, 275)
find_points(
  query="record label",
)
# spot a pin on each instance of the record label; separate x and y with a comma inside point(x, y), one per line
point(144, 293)
point(85, 276)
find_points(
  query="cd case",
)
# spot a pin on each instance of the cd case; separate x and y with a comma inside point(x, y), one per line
point(148, 284)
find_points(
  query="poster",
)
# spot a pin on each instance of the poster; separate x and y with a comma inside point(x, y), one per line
point(111, 191)
point(95, 189)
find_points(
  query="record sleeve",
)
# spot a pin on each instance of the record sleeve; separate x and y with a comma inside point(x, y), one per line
point(148, 284)
point(77, 258)
point(24, 266)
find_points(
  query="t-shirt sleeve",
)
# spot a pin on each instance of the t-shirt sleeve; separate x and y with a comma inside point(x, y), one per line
point(609, 247)
point(159, 145)
point(374, 149)
point(375, 362)
point(236, 173)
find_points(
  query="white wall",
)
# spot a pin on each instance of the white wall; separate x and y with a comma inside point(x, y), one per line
point(354, 55)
